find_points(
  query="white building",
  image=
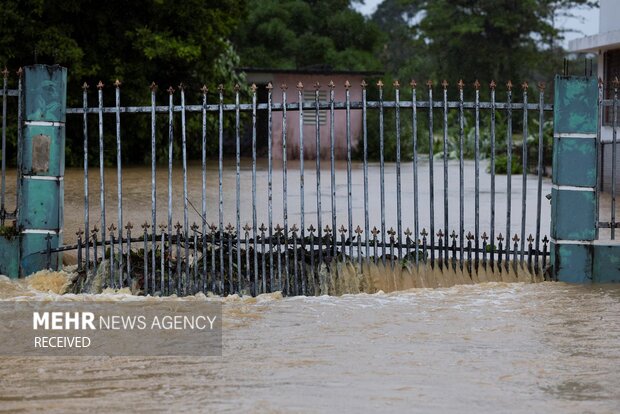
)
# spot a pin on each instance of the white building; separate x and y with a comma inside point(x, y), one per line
point(606, 46)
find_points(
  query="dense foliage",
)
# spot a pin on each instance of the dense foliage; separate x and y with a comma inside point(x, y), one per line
point(290, 34)
point(197, 42)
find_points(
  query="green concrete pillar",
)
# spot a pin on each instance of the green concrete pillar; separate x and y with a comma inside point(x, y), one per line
point(574, 210)
point(40, 210)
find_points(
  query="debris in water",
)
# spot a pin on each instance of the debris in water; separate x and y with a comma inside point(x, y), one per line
point(50, 281)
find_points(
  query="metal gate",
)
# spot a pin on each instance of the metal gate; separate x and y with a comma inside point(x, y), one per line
point(399, 210)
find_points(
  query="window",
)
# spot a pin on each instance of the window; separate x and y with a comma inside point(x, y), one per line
point(310, 114)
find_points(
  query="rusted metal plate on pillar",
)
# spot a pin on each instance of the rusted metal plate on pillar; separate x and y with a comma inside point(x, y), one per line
point(42, 192)
point(43, 150)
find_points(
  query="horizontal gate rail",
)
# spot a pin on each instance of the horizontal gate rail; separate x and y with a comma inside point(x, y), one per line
point(276, 107)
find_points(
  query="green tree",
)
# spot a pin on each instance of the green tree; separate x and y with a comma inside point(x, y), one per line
point(478, 39)
point(291, 34)
point(137, 42)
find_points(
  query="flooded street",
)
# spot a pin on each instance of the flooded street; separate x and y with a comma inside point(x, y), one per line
point(137, 195)
point(515, 347)
point(492, 347)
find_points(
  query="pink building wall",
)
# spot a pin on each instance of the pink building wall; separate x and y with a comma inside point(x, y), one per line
point(292, 128)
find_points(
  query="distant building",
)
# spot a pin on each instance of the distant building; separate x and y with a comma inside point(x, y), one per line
point(290, 77)
point(606, 45)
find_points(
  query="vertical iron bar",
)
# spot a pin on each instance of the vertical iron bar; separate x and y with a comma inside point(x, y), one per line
point(477, 173)
point(391, 234)
point(204, 187)
point(399, 221)
point(230, 234)
point(440, 249)
point(284, 180)
point(119, 178)
point(269, 179)
point(300, 97)
point(524, 185)
point(246, 229)
point(178, 268)
point(86, 199)
point(461, 174)
point(221, 189)
point(185, 196)
point(414, 121)
point(499, 251)
point(332, 144)
point(317, 124)
point(111, 228)
point(446, 216)
point(170, 147)
point(358, 231)
point(295, 282)
point(430, 170)
point(424, 234)
point(270, 188)
point(529, 253)
point(129, 278)
point(381, 170)
point(238, 182)
point(515, 252)
point(262, 242)
point(213, 229)
point(101, 167)
point(195, 285)
point(453, 236)
point(484, 250)
point(95, 244)
point(365, 139)
point(347, 87)
point(469, 267)
point(374, 243)
point(508, 169)
point(541, 122)
point(311, 230)
point(145, 227)
point(162, 288)
point(153, 182)
point(492, 224)
point(278, 244)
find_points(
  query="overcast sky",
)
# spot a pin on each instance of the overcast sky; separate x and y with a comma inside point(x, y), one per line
point(585, 24)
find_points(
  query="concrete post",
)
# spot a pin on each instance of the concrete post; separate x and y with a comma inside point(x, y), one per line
point(574, 209)
point(40, 211)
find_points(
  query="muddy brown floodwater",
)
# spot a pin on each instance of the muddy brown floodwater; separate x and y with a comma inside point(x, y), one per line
point(488, 347)
point(491, 347)
point(137, 196)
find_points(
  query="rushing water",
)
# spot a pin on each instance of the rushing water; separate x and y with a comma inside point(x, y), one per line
point(509, 346)
point(491, 347)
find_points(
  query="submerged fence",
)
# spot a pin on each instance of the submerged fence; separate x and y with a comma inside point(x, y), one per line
point(419, 221)
point(227, 258)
